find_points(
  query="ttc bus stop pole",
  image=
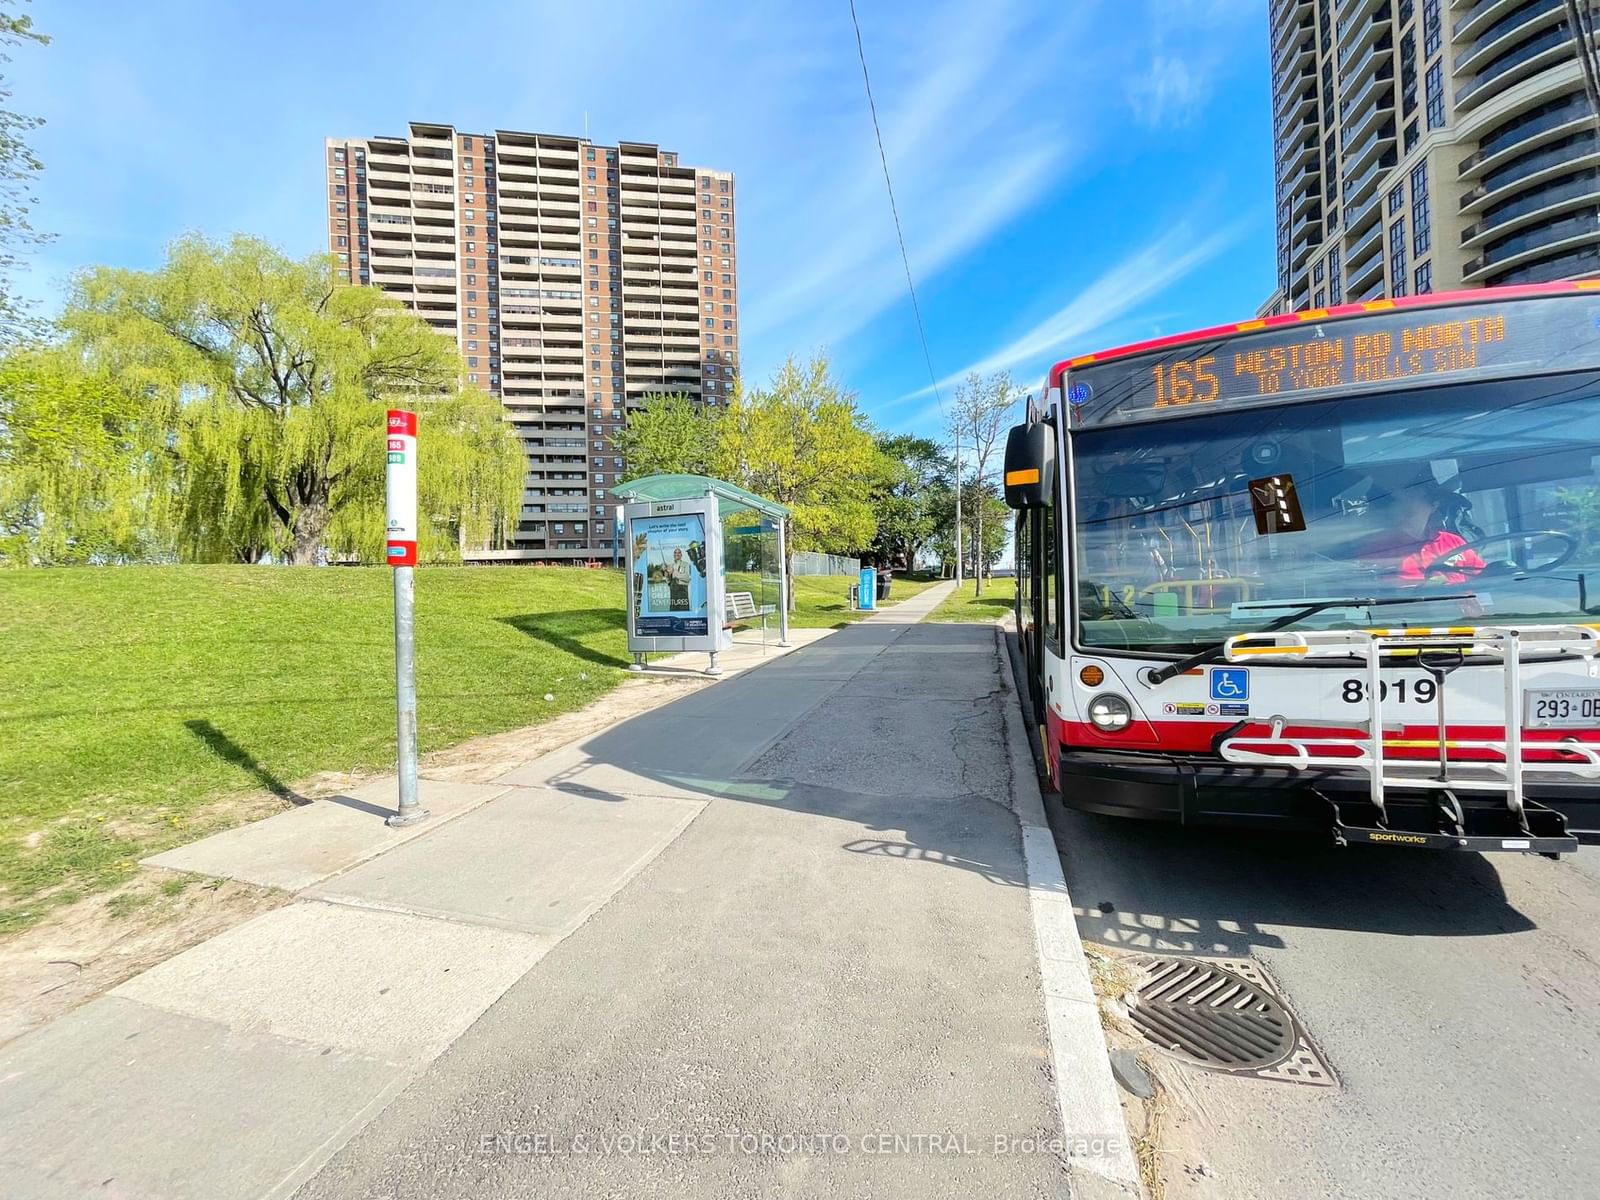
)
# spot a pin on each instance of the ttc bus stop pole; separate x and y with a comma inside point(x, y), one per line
point(400, 478)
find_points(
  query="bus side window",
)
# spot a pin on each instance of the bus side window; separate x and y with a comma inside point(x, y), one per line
point(1050, 583)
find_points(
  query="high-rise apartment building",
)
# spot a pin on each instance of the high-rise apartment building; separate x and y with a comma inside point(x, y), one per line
point(577, 279)
point(1429, 145)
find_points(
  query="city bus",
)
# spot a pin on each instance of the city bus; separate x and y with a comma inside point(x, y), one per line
point(1335, 571)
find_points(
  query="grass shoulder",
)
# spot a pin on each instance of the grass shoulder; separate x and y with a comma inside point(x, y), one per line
point(964, 604)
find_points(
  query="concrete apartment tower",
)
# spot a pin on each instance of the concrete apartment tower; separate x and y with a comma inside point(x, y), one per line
point(1426, 145)
point(577, 279)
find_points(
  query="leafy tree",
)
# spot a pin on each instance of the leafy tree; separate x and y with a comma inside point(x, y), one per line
point(981, 413)
point(913, 470)
point(670, 434)
point(18, 168)
point(247, 394)
point(981, 508)
point(800, 440)
point(74, 482)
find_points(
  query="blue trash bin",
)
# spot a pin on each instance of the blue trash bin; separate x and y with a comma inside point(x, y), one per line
point(869, 588)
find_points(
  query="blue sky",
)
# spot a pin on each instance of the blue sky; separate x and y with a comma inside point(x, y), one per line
point(1071, 174)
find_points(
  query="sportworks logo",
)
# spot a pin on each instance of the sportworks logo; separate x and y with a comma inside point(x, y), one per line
point(1410, 839)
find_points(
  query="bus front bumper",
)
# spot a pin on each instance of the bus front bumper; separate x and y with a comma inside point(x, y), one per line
point(1197, 790)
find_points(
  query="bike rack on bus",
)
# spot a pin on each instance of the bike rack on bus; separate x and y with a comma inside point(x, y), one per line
point(1438, 651)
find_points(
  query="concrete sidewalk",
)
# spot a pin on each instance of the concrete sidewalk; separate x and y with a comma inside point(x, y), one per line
point(776, 935)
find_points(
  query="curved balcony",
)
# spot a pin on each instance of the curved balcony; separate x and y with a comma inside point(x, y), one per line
point(1479, 16)
point(1581, 259)
point(1577, 150)
point(1379, 110)
point(1537, 204)
point(1503, 33)
point(1579, 229)
point(1521, 61)
point(1534, 126)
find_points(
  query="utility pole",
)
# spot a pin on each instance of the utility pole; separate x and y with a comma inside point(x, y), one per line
point(958, 509)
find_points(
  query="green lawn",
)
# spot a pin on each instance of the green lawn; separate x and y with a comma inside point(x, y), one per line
point(132, 699)
point(964, 605)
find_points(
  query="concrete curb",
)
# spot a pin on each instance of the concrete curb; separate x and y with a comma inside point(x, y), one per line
point(1099, 1152)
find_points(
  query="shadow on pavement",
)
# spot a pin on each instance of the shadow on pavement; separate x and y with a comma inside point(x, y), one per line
point(1153, 886)
point(1161, 887)
point(703, 738)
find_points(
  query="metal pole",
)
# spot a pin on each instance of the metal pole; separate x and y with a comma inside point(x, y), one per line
point(400, 503)
point(405, 693)
point(783, 581)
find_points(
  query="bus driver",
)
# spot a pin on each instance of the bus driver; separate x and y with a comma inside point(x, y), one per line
point(1412, 541)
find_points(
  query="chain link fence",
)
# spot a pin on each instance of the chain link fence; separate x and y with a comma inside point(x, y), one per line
point(811, 562)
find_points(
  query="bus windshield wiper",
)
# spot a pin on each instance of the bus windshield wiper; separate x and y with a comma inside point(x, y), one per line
point(1309, 609)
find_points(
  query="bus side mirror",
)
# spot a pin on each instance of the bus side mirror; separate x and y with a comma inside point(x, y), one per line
point(1030, 465)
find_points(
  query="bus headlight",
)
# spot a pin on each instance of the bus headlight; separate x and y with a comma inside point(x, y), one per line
point(1109, 712)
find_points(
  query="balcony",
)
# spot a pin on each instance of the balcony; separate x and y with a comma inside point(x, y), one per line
point(1577, 230)
point(1360, 162)
point(1373, 91)
point(1286, 16)
point(1294, 157)
point(1363, 21)
point(1371, 240)
point(1364, 273)
point(1478, 17)
point(1539, 203)
point(1576, 150)
point(1501, 35)
point(1287, 106)
point(1301, 58)
point(1538, 52)
point(1380, 51)
point(1293, 29)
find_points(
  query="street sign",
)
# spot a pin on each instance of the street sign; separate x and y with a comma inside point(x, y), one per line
point(401, 489)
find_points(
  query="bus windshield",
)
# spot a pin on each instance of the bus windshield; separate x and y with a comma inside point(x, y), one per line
point(1187, 530)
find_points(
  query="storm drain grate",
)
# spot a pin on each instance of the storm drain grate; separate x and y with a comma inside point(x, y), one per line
point(1223, 1016)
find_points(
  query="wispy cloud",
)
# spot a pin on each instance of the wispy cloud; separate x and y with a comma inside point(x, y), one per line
point(1097, 307)
point(970, 146)
point(1179, 59)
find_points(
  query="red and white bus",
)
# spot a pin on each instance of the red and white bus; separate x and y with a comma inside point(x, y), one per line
point(1334, 570)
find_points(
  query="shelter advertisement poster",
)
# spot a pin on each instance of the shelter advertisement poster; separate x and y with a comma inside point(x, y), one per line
point(668, 564)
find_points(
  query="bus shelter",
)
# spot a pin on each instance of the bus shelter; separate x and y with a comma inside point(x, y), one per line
point(704, 565)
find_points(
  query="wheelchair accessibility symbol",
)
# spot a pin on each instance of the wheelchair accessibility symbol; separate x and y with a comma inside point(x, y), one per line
point(1230, 683)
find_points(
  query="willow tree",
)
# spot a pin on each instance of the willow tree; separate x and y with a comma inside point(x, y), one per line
point(263, 383)
point(79, 480)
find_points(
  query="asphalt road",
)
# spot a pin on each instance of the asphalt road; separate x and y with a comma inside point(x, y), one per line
point(1457, 997)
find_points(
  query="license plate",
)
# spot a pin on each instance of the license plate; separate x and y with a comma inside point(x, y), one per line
point(1562, 708)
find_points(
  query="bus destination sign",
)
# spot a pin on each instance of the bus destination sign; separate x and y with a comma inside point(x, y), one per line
point(1363, 353)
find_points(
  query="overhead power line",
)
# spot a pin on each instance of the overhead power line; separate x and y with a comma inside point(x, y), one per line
point(894, 211)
